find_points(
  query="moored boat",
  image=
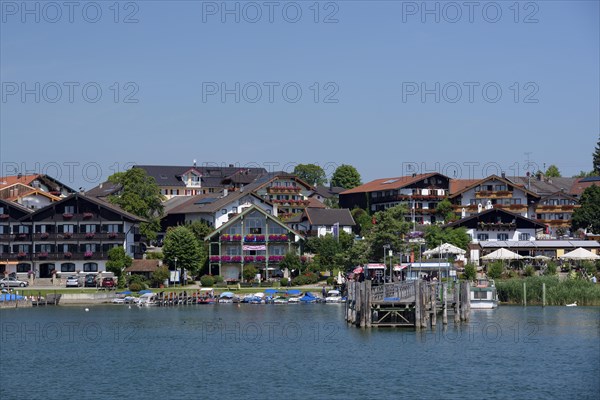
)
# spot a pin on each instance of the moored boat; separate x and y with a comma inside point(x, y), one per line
point(483, 295)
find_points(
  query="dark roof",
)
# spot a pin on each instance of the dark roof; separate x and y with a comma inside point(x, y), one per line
point(211, 176)
point(143, 266)
point(544, 186)
point(329, 216)
point(327, 191)
point(18, 207)
point(208, 203)
point(494, 215)
point(94, 200)
point(104, 189)
point(265, 179)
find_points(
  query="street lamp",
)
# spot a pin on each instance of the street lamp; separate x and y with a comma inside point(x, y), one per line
point(174, 281)
point(385, 247)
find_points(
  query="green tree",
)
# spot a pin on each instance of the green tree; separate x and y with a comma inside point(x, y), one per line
point(389, 229)
point(181, 243)
point(587, 216)
point(250, 272)
point(470, 272)
point(201, 229)
point(311, 173)
point(363, 221)
point(332, 202)
point(160, 275)
point(118, 260)
point(596, 159)
point(495, 270)
point(345, 176)
point(553, 172)
point(139, 195)
point(436, 235)
point(445, 211)
point(291, 261)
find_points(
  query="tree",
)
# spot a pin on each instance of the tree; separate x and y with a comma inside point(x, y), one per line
point(118, 260)
point(181, 243)
point(139, 195)
point(363, 220)
point(345, 176)
point(552, 172)
point(596, 159)
point(587, 216)
point(160, 275)
point(311, 173)
point(436, 235)
point(201, 229)
point(389, 228)
point(470, 272)
point(291, 261)
point(495, 270)
point(445, 210)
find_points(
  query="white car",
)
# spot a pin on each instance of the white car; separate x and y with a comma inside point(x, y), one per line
point(73, 281)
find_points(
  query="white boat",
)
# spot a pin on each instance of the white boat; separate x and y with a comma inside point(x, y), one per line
point(147, 300)
point(483, 295)
point(572, 304)
point(333, 296)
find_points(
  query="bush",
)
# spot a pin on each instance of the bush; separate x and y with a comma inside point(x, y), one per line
point(154, 255)
point(470, 272)
point(135, 287)
point(138, 281)
point(529, 271)
point(550, 269)
point(495, 270)
point(207, 281)
point(218, 279)
point(250, 272)
point(331, 281)
point(284, 281)
point(160, 276)
point(305, 279)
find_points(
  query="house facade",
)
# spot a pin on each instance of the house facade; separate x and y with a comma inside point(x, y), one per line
point(421, 193)
point(494, 192)
point(253, 237)
point(288, 193)
point(323, 221)
point(68, 236)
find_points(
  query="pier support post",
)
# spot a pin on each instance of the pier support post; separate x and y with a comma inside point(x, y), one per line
point(418, 304)
point(544, 294)
point(445, 302)
point(368, 310)
point(456, 303)
point(524, 294)
point(433, 297)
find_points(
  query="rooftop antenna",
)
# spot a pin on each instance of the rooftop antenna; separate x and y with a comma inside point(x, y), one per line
point(528, 172)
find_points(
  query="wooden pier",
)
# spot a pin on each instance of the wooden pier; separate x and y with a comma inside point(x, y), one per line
point(406, 304)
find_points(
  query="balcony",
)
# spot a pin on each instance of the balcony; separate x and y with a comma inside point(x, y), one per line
point(542, 208)
point(492, 226)
point(406, 198)
point(555, 223)
point(284, 189)
point(498, 194)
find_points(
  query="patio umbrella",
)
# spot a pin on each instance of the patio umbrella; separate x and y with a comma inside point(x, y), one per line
point(542, 258)
point(358, 270)
point(580, 254)
point(445, 248)
point(502, 254)
point(340, 280)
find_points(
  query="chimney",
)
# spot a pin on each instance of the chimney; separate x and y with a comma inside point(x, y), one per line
point(414, 175)
point(503, 175)
point(230, 165)
point(225, 192)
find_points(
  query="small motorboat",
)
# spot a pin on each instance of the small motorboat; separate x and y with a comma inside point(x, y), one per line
point(333, 296)
point(574, 304)
point(308, 298)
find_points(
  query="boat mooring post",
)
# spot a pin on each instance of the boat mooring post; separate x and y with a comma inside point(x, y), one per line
point(544, 294)
point(524, 294)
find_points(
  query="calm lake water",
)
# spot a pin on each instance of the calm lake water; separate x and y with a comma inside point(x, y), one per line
point(294, 351)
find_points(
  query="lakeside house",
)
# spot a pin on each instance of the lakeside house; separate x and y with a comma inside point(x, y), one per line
point(253, 237)
point(71, 235)
point(323, 221)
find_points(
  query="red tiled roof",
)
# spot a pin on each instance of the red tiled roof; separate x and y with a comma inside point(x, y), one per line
point(11, 180)
point(456, 185)
point(388, 183)
point(143, 266)
point(578, 187)
point(314, 203)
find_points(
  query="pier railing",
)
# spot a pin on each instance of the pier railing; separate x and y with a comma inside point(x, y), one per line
point(396, 290)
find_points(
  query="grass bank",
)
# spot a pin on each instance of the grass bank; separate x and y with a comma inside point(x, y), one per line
point(558, 292)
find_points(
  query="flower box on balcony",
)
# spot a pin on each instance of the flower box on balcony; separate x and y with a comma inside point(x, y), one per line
point(68, 254)
point(4, 216)
point(44, 235)
point(22, 236)
point(90, 235)
point(275, 258)
point(88, 254)
point(43, 254)
point(226, 258)
point(215, 258)
point(67, 235)
point(112, 235)
point(260, 258)
point(225, 237)
point(236, 259)
point(67, 215)
point(22, 254)
point(236, 238)
point(87, 215)
point(248, 259)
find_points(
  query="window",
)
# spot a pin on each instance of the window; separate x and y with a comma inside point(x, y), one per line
point(89, 247)
point(503, 236)
point(90, 267)
point(483, 236)
point(69, 209)
point(524, 236)
point(67, 267)
point(66, 228)
point(111, 228)
point(500, 188)
point(23, 229)
point(89, 228)
point(44, 248)
point(23, 267)
point(1, 210)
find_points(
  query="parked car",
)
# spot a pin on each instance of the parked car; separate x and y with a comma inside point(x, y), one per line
point(108, 283)
point(12, 282)
point(90, 280)
point(73, 281)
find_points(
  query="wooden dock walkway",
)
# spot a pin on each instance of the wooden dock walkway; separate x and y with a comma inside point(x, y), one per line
point(406, 304)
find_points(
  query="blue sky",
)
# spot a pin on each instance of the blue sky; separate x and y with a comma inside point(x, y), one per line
point(362, 70)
